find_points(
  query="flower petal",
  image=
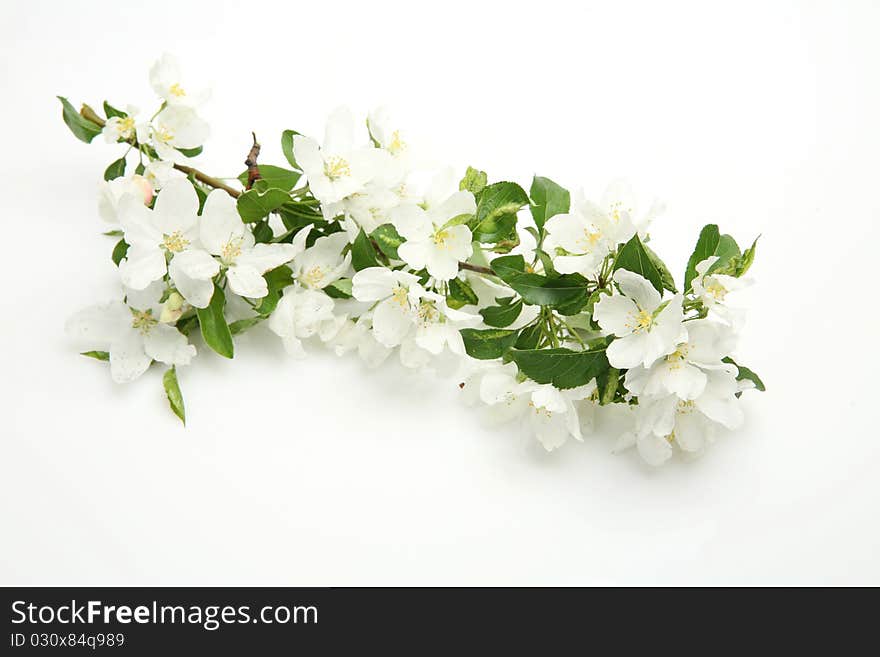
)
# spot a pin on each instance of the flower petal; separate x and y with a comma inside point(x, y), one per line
point(168, 345)
point(142, 265)
point(246, 281)
point(220, 222)
point(127, 357)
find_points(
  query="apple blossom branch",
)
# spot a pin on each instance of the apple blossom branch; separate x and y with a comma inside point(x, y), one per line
point(90, 114)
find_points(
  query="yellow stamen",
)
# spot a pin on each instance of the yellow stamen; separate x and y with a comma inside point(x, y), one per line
point(231, 250)
point(143, 321)
point(397, 145)
point(177, 90)
point(336, 168)
point(175, 242)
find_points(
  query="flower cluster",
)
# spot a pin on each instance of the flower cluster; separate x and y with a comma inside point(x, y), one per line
point(547, 308)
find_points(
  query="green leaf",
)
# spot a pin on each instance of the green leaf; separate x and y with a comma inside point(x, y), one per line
point(566, 293)
point(81, 127)
point(253, 204)
point(487, 344)
point(503, 314)
point(745, 373)
point(191, 152)
point(460, 294)
point(276, 280)
point(634, 257)
point(607, 383)
point(287, 147)
point(705, 247)
point(564, 368)
point(748, 257)
point(728, 254)
point(186, 324)
point(115, 170)
point(172, 391)
point(388, 239)
point(215, 331)
point(111, 111)
point(274, 177)
point(529, 337)
point(666, 278)
point(119, 251)
point(263, 232)
point(495, 220)
point(243, 325)
point(97, 355)
point(114, 233)
point(549, 200)
point(340, 289)
point(496, 229)
point(474, 181)
point(363, 254)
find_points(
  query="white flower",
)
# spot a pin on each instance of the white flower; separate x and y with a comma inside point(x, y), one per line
point(712, 290)
point(388, 136)
point(323, 263)
point(683, 372)
point(619, 198)
point(169, 229)
point(430, 243)
point(398, 294)
point(357, 335)
point(438, 325)
point(552, 415)
point(132, 333)
point(580, 239)
point(159, 172)
point(175, 127)
point(300, 314)
point(643, 330)
point(121, 127)
point(690, 424)
point(167, 82)
point(367, 209)
point(339, 168)
point(111, 194)
point(223, 234)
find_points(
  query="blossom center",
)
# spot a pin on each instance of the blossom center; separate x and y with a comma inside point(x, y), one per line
point(717, 290)
point(643, 321)
point(313, 276)
point(231, 250)
point(591, 237)
point(685, 407)
point(126, 126)
point(440, 238)
point(164, 135)
point(397, 145)
point(175, 242)
point(401, 296)
point(143, 320)
point(616, 210)
point(677, 357)
point(177, 90)
point(336, 167)
point(428, 313)
point(541, 410)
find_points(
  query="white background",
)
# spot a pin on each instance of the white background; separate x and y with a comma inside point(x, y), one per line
point(762, 117)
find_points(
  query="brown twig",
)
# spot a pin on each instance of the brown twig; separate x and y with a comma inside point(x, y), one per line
point(253, 175)
point(476, 268)
point(251, 163)
point(90, 114)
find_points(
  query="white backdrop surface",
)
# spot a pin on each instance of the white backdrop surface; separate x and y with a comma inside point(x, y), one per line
point(761, 117)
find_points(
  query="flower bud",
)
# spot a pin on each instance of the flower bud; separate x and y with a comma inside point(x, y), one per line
point(172, 309)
